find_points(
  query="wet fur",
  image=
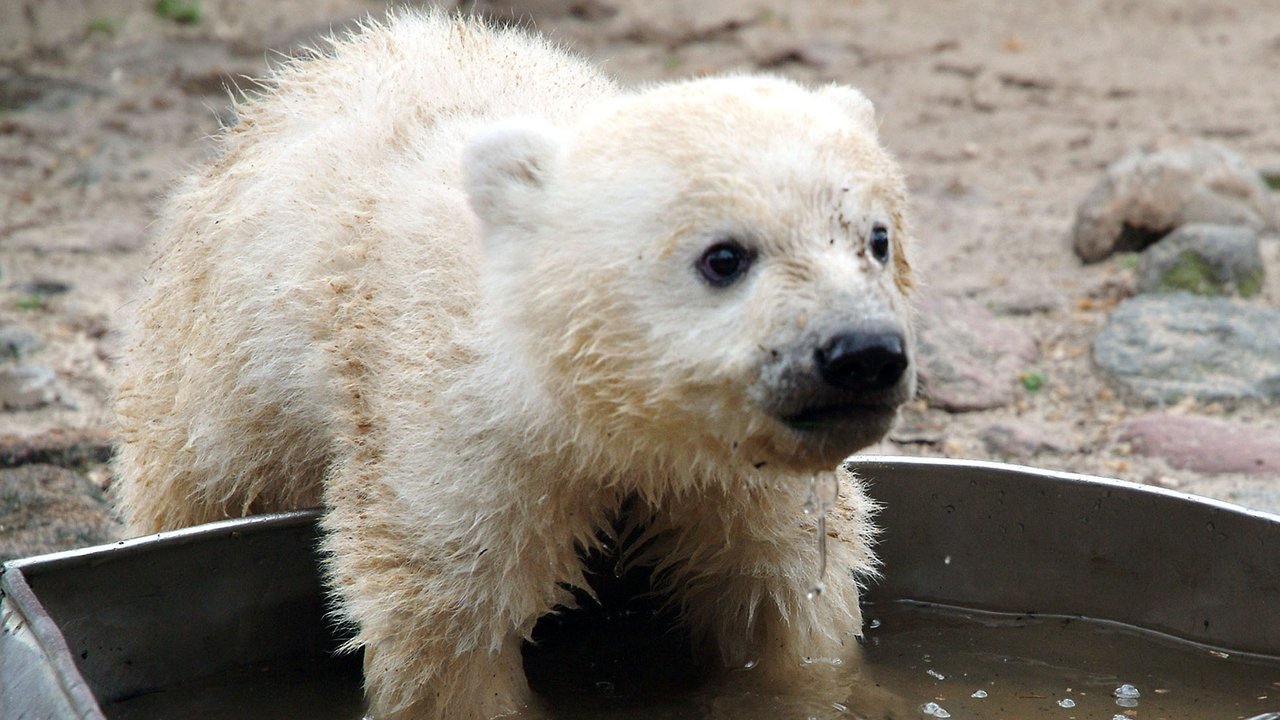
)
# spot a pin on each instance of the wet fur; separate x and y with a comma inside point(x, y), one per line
point(327, 320)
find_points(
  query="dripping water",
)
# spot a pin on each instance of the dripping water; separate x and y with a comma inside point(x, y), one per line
point(824, 490)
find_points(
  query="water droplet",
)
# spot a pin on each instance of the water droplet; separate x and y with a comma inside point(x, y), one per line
point(748, 664)
point(827, 486)
point(935, 674)
point(1119, 717)
point(1066, 703)
point(933, 709)
point(839, 708)
point(946, 560)
point(873, 624)
point(979, 694)
point(1126, 691)
point(1127, 702)
point(604, 686)
point(816, 590)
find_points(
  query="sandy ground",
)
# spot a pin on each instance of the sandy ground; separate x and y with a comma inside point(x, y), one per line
point(1003, 114)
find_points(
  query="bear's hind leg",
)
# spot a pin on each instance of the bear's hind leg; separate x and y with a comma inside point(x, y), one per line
point(182, 466)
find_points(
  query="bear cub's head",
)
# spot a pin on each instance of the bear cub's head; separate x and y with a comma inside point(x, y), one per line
point(713, 271)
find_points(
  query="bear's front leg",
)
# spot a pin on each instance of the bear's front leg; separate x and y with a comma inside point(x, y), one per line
point(411, 677)
point(743, 564)
point(443, 587)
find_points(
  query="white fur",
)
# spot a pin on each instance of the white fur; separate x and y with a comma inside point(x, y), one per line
point(472, 395)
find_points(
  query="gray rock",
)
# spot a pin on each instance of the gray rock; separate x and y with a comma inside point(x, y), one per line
point(1023, 441)
point(1167, 347)
point(17, 342)
point(46, 509)
point(27, 387)
point(968, 358)
point(1205, 444)
point(1156, 189)
point(1205, 260)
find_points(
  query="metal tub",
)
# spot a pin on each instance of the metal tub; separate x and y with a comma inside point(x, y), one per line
point(87, 629)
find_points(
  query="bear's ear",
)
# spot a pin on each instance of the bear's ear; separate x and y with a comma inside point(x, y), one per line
point(506, 165)
point(855, 104)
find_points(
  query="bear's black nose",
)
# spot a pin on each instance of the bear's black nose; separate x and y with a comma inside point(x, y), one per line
point(862, 360)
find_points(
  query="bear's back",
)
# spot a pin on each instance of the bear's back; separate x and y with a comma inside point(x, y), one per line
point(326, 247)
point(345, 171)
point(373, 127)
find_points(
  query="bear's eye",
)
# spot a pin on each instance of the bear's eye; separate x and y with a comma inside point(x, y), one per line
point(724, 262)
point(878, 242)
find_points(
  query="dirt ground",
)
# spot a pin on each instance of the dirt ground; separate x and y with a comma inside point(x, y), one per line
point(1003, 114)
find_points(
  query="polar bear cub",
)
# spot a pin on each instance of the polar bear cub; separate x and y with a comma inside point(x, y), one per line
point(459, 288)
